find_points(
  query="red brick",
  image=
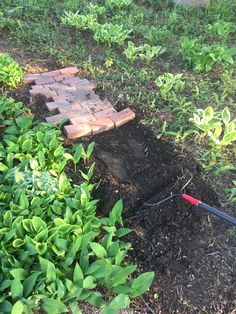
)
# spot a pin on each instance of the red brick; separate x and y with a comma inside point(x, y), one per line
point(43, 92)
point(45, 81)
point(75, 131)
point(50, 73)
point(57, 118)
point(56, 104)
point(30, 78)
point(101, 125)
point(66, 96)
point(82, 119)
point(105, 113)
point(69, 70)
point(94, 107)
point(78, 82)
point(60, 78)
point(122, 117)
point(69, 107)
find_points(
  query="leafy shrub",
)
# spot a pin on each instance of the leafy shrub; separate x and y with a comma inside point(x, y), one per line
point(10, 71)
point(118, 4)
point(144, 52)
point(169, 82)
point(202, 57)
point(110, 34)
point(217, 127)
point(55, 251)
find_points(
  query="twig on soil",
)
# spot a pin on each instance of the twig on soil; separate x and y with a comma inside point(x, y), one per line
point(147, 305)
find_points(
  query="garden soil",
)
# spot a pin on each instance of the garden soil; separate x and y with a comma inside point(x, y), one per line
point(191, 253)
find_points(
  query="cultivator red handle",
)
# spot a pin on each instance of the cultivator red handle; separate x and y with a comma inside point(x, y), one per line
point(210, 209)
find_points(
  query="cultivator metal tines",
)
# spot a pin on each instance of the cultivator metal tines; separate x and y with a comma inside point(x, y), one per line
point(196, 203)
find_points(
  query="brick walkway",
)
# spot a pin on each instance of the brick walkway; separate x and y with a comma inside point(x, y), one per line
point(76, 101)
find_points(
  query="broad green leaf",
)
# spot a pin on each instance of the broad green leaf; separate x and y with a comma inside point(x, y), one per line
point(52, 306)
point(27, 145)
point(18, 273)
point(208, 113)
point(98, 249)
point(5, 307)
point(229, 138)
point(142, 283)
point(3, 167)
point(88, 283)
point(115, 214)
point(122, 232)
point(78, 274)
point(121, 276)
point(29, 283)
point(118, 303)
point(38, 224)
point(18, 307)
point(7, 218)
point(96, 299)
point(16, 288)
point(226, 115)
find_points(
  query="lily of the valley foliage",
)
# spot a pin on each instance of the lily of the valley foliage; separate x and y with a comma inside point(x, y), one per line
point(55, 251)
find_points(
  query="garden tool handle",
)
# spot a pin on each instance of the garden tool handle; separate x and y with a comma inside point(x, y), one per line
point(210, 209)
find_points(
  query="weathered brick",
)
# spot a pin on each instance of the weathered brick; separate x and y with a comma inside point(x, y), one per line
point(94, 107)
point(60, 78)
point(105, 113)
point(69, 107)
point(57, 118)
point(61, 87)
point(56, 104)
point(44, 81)
point(65, 96)
point(101, 125)
point(51, 73)
point(82, 119)
point(122, 117)
point(69, 70)
point(43, 92)
point(75, 131)
point(30, 78)
point(78, 82)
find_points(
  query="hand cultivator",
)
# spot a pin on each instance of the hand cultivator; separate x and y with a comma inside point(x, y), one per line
point(196, 203)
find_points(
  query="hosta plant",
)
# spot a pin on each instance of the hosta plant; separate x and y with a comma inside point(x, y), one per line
point(10, 72)
point(168, 83)
point(203, 57)
point(118, 4)
point(55, 251)
point(217, 127)
point(79, 21)
point(144, 52)
point(221, 29)
point(110, 34)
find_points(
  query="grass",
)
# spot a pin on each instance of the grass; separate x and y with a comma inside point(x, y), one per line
point(207, 82)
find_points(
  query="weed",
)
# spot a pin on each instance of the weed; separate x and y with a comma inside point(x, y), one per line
point(10, 71)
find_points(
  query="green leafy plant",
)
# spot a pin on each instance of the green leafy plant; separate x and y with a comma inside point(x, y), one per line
point(80, 21)
point(55, 252)
point(232, 192)
point(221, 29)
point(144, 52)
point(110, 34)
point(10, 71)
point(217, 127)
point(95, 10)
point(169, 82)
point(203, 57)
point(118, 4)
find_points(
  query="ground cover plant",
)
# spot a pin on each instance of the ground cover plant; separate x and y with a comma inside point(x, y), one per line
point(55, 251)
point(10, 72)
point(186, 74)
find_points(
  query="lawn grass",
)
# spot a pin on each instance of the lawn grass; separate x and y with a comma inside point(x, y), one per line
point(37, 26)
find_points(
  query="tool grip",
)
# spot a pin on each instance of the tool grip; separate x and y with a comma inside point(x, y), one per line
point(218, 213)
point(210, 209)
